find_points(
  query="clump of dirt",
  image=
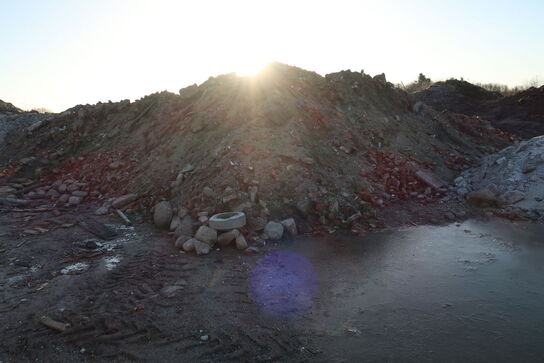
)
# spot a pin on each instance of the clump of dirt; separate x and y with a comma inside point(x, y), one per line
point(287, 142)
point(521, 114)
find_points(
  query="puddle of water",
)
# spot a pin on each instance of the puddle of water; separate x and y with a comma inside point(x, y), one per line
point(431, 293)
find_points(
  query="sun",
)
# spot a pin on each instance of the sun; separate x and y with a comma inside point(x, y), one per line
point(249, 67)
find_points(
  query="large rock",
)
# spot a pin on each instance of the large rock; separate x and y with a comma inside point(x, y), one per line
point(124, 200)
point(225, 239)
point(485, 197)
point(185, 227)
point(290, 225)
point(181, 241)
point(163, 215)
point(273, 230)
point(189, 245)
point(241, 242)
point(174, 223)
point(206, 234)
point(512, 197)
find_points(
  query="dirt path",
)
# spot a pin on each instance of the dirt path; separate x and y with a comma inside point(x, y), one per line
point(467, 291)
point(137, 298)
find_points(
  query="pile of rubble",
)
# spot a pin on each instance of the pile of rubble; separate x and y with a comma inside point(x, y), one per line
point(13, 121)
point(512, 178)
point(285, 144)
point(521, 114)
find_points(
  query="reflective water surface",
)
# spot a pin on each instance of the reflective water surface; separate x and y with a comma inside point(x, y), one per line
point(467, 292)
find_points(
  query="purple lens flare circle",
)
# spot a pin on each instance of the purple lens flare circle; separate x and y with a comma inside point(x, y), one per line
point(283, 284)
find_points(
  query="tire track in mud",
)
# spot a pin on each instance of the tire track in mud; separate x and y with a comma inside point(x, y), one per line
point(123, 313)
point(239, 338)
point(121, 308)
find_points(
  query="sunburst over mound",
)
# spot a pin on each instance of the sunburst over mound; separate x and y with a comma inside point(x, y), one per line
point(286, 142)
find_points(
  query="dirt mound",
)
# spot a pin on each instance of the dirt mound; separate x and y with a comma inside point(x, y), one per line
point(6, 107)
point(521, 114)
point(13, 121)
point(512, 177)
point(287, 142)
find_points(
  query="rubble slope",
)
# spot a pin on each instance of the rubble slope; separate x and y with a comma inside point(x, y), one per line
point(284, 142)
point(522, 113)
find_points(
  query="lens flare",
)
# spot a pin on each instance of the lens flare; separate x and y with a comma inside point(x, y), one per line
point(283, 284)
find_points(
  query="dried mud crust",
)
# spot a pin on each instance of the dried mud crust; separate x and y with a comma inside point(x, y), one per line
point(132, 312)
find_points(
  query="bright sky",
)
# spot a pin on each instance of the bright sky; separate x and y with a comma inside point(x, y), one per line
point(59, 53)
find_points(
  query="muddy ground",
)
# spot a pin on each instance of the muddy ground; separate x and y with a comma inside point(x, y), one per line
point(136, 297)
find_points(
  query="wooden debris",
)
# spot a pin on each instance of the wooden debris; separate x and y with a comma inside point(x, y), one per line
point(53, 324)
point(98, 229)
point(123, 216)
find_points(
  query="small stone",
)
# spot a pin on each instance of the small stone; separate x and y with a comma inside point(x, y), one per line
point(115, 165)
point(80, 194)
point(208, 192)
point(176, 221)
point(241, 242)
point(187, 168)
point(203, 219)
point(101, 211)
point(52, 194)
point(63, 198)
point(201, 248)
point(179, 179)
point(189, 245)
point(180, 242)
point(62, 188)
point(259, 241)
point(204, 338)
point(273, 230)
point(124, 200)
point(459, 181)
point(162, 215)
point(253, 193)
point(207, 235)
point(182, 212)
point(512, 197)
point(229, 198)
point(74, 200)
point(290, 225)
point(251, 251)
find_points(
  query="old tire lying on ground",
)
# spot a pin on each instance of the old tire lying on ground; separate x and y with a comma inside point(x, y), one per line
point(228, 221)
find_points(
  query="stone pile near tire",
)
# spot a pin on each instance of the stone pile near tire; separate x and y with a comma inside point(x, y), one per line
point(179, 221)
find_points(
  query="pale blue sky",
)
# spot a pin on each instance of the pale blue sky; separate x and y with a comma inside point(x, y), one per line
point(60, 53)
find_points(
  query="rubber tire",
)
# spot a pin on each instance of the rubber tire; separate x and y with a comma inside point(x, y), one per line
point(227, 221)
